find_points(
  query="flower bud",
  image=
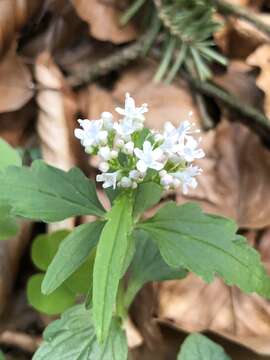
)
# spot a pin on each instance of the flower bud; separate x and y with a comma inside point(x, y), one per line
point(126, 182)
point(104, 166)
point(134, 174)
point(129, 147)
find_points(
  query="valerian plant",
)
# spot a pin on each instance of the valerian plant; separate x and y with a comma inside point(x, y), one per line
point(136, 166)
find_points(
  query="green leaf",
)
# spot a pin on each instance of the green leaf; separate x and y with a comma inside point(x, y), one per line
point(109, 262)
point(82, 279)
point(45, 247)
point(207, 245)
point(147, 195)
point(147, 266)
point(73, 338)
point(72, 253)
point(46, 193)
point(8, 223)
point(199, 347)
point(112, 193)
point(55, 303)
point(2, 356)
point(9, 156)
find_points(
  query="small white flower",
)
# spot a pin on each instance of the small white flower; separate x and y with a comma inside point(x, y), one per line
point(148, 158)
point(126, 127)
point(158, 137)
point(166, 180)
point(131, 111)
point(114, 154)
point(108, 179)
point(129, 147)
point(92, 133)
point(187, 177)
point(190, 151)
point(175, 137)
point(104, 166)
point(126, 182)
point(134, 174)
point(170, 138)
point(119, 143)
point(105, 153)
point(107, 119)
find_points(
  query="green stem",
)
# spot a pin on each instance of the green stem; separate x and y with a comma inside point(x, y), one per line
point(130, 294)
point(227, 8)
point(166, 60)
point(121, 309)
point(131, 11)
point(177, 64)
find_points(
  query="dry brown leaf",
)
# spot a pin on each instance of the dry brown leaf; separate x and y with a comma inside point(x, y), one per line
point(237, 31)
point(240, 80)
point(166, 102)
point(18, 127)
point(16, 87)
point(10, 254)
point(261, 59)
point(232, 314)
point(57, 116)
point(13, 16)
point(248, 3)
point(56, 123)
point(235, 181)
point(103, 19)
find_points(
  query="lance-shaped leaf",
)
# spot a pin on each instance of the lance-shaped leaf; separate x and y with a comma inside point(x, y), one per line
point(148, 265)
point(208, 246)
point(73, 338)
point(199, 347)
point(72, 253)
point(109, 262)
point(46, 193)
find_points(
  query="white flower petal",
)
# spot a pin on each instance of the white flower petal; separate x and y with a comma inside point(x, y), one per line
point(141, 166)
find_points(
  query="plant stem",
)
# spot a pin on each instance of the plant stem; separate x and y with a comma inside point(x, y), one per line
point(229, 9)
point(121, 309)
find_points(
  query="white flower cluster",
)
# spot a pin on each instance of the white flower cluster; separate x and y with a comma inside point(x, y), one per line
point(130, 154)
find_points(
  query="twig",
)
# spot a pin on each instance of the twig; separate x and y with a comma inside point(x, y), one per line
point(249, 116)
point(21, 340)
point(238, 11)
point(110, 63)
